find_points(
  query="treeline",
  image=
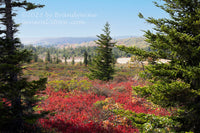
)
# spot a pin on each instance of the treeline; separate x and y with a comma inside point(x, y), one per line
point(40, 52)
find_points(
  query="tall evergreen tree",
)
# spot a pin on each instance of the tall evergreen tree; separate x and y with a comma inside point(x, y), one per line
point(65, 56)
point(17, 96)
point(176, 83)
point(48, 56)
point(102, 66)
point(65, 59)
point(73, 61)
point(57, 59)
point(35, 57)
point(89, 59)
point(85, 61)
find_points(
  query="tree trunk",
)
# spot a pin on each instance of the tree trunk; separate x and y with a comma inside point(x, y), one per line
point(16, 102)
point(9, 20)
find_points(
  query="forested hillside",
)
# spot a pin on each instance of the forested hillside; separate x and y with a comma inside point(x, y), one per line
point(77, 50)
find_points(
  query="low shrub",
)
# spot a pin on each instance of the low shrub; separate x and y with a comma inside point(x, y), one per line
point(149, 122)
point(69, 85)
point(102, 91)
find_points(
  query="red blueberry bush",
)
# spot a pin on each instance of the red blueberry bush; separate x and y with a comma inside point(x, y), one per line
point(74, 111)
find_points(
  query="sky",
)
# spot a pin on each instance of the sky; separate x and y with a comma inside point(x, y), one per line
point(86, 18)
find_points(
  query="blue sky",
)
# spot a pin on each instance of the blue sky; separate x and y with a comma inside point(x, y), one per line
point(86, 18)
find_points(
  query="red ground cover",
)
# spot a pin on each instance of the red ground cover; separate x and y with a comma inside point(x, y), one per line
point(74, 112)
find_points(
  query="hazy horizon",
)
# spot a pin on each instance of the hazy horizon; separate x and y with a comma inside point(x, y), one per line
point(27, 40)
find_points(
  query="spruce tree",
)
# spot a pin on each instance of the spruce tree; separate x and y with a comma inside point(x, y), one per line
point(65, 59)
point(176, 83)
point(17, 96)
point(73, 61)
point(85, 61)
point(102, 66)
point(57, 59)
point(89, 59)
point(35, 57)
point(48, 56)
point(65, 56)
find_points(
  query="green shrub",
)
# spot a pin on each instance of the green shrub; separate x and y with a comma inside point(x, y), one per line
point(100, 104)
point(149, 122)
point(74, 84)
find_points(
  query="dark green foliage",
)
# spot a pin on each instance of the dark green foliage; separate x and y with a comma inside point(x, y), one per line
point(65, 56)
point(66, 60)
point(70, 52)
point(89, 59)
point(35, 57)
point(102, 66)
point(48, 56)
point(17, 96)
point(176, 83)
point(26, 5)
point(73, 61)
point(85, 61)
point(149, 123)
point(57, 59)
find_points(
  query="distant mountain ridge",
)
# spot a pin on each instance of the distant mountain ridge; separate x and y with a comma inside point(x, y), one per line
point(57, 41)
point(86, 41)
point(132, 41)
